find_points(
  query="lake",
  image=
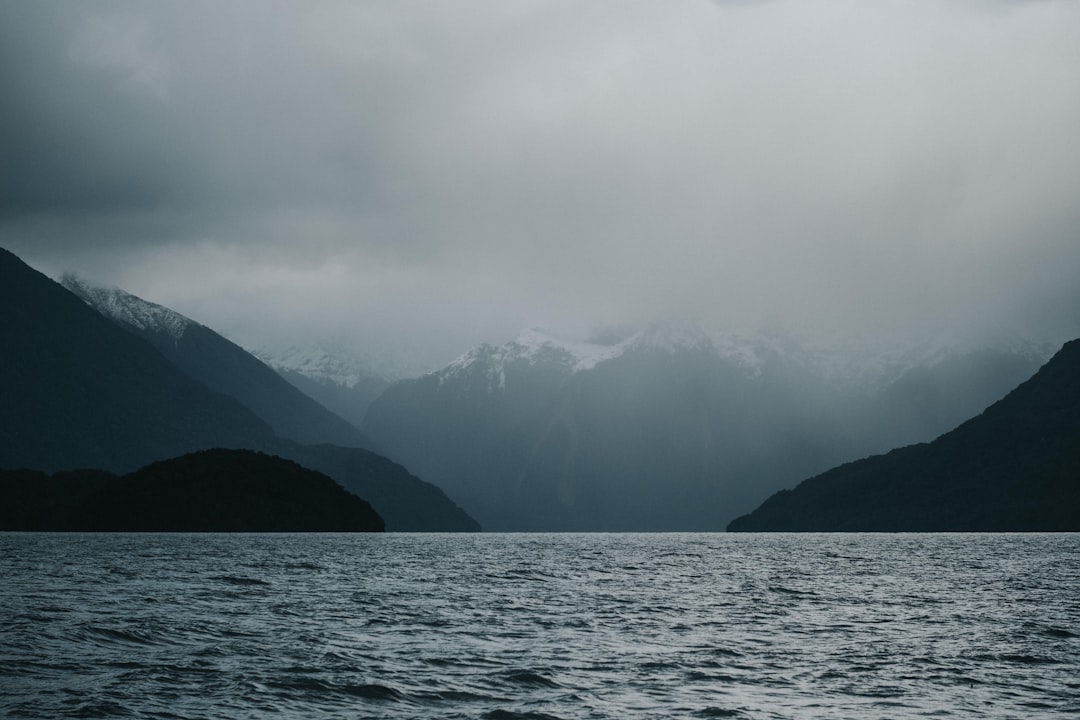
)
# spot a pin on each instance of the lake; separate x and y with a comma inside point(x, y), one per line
point(527, 626)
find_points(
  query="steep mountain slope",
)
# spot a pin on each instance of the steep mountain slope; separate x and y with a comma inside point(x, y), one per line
point(1015, 467)
point(207, 491)
point(405, 502)
point(664, 429)
point(220, 365)
point(78, 391)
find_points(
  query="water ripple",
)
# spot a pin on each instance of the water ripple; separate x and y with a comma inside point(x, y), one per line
point(574, 627)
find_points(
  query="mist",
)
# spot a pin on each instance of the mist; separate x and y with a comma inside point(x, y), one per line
point(417, 177)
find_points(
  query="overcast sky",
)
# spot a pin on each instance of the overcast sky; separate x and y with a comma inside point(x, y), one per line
point(431, 174)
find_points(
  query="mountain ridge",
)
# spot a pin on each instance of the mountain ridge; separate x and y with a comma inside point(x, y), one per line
point(543, 433)
point(220, 365)
point(1013, 467)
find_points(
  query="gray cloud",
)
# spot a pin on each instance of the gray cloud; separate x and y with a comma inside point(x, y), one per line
point(403, 169)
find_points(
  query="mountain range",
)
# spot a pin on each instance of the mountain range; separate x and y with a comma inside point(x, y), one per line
point(661, 428)
point(120, 389)
point(669, 428)
point(1014, 467)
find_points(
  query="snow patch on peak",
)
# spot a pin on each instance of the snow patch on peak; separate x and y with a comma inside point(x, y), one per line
point(672, 338)
point(327, 362)
point(533, 347)
point(536, 346)
point(128, 309)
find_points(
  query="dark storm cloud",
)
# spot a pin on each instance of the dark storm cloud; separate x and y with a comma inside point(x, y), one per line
point(123, 107)
point(409, 168)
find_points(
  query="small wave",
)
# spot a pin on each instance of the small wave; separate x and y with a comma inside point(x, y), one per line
point(128, 665)
point(1058, 633)
point(100, 709)
point(373, 691)
point(301, 684)
point(239, 580)
point(658, 665)
point(698, 676)
point(455, 696)
point(1028, 659)
point(511, 715)
point(530, 678)
point(113, 636)
point(716, 712)
point(232, 632)
point(726, 652)
point(310, 686)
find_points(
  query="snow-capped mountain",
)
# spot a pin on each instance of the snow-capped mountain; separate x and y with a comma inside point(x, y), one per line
point(867, 365)
point(342, 378)
point(537, 347)
point(323, 362)
point(219, 364)
point(670, 427)
point(534, 348)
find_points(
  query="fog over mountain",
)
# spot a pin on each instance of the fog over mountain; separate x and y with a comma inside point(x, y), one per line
point(422, 177)
point(668, 428)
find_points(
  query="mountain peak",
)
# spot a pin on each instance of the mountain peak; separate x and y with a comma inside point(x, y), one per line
point(533, 346)
point(536, 345)
point(671, 337)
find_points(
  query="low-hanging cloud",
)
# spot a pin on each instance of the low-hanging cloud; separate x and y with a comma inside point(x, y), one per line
point(401, 170)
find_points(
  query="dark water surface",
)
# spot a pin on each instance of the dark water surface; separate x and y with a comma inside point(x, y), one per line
point(540, 626)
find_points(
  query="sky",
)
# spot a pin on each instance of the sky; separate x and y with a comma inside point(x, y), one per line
point(417, 177)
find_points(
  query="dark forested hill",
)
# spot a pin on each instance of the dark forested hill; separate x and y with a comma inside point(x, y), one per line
point(211, 490)
point(1015, 467)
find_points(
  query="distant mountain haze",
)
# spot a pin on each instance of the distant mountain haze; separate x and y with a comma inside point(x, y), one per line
point(349, 401)
point(667, 428)
point(1013, 468)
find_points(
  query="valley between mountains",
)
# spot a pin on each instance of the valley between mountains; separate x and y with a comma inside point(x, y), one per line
point(659, 428)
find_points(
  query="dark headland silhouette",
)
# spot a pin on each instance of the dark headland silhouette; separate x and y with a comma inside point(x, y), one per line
point(79, 390)
point(208, 491)
point(1015, 467)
